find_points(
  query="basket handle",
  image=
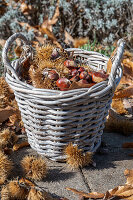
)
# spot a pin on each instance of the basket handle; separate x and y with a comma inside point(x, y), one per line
point(6, 61)
point(116, 62)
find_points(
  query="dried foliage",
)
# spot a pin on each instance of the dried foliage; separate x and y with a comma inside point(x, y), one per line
point(38, 194)
point(5, 167)
point(14, 190)
point(122, 100)
point(117, 105)
point(20, 145)
point(119, 192)
point(93, 195)
point(120, 126)
point(34, 168)
point(17, 191)
point(7, 138)
point(5, 113)
point(5, 193)
point(93, 19)
point(76, 158)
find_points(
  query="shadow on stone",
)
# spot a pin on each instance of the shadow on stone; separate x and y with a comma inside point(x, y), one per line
point(57, 175)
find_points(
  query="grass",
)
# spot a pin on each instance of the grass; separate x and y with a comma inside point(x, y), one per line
point(95, 46)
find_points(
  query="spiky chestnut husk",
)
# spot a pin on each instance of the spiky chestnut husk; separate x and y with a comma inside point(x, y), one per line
point(36, 194)
point(43, 53)
point(76, 158)
point(5, 193)
point(7, 138)
point(40, 82)
point(34, 168)
point(5, 167)
point(16, 190)
point(37, 76)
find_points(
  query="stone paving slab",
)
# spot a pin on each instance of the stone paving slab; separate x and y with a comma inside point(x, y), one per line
point(109, 171)
point(59, 176)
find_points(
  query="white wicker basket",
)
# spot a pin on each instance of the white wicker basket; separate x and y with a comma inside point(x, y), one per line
point(54, 118)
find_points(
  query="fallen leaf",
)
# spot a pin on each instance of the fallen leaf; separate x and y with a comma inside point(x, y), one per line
point(93, 195)
point(127, 92)
point(24, 7)
point(80, 42)
point(47, 23)
point(21, 145)
point(68, 38)
point(55, 16)
point(2, 42)
point(18, 51)
point(51, 36)
point(129, 175)
point(5, 113)
point(118, 106)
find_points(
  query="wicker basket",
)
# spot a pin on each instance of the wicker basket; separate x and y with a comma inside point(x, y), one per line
point(54, 118)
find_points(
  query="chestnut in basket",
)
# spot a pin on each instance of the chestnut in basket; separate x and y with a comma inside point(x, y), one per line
point(84, 84)
point(70, 63)
point(83, 75)
point(74, 72)
point(55, 54)
point(75, 78)
point(81, 69)
point(53, 75)
point(98, 77)
point(63, 83)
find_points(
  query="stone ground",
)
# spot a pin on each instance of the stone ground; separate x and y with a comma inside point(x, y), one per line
point(111, 161)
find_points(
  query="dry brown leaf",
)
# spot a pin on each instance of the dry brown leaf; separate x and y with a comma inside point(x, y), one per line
point(127, 62)
point(6, 113)
point(55, 16)
point(18, 51)
point(120, 192)
point(117, 105)
point(125, 93)
point(129, 175)
point(21, 145)
point(68, 38)
point(127, 54)
point(24, 7)
point(51, 36)
point(80, 42)
point(74, 85)
point(93, 195)
point(2, 42)
point(47, 23)
point(40, 39)
point(123, 126)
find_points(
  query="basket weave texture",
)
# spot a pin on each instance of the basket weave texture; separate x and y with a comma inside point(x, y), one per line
point(54, 118)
